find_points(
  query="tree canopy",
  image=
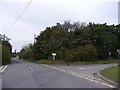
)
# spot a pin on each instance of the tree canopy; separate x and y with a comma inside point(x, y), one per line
point(6, 49)
point(76, 40)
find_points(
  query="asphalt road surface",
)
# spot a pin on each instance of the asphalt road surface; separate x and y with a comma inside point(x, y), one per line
point(23, 74)
point(0, 81)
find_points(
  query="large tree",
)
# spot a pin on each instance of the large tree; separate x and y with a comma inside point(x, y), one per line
point(64, 37)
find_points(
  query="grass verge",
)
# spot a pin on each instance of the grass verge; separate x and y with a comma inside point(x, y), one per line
point(111, 73)
point(73, 63)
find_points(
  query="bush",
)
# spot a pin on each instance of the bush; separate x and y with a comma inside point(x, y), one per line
point(26, 53)
point(6, 55)
point(85, 53)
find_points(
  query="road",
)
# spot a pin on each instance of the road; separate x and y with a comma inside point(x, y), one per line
point(23, 74)
point(0, 81)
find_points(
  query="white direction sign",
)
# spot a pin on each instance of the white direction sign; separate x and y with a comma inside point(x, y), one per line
point(109, 53)
point(54, 54)
point(118, 50)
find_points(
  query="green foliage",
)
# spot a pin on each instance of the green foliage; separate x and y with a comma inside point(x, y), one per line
point(5, 51)
point(104, 39)
point(6, 55)
point(26, 52)
point(6, 43)
point(13, 55)
point(76, 42)
point(85, 53)
point(63, 62)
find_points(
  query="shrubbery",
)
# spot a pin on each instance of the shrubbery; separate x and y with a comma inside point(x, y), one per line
point(6, 55)
point(26, 53)
point(85, 53)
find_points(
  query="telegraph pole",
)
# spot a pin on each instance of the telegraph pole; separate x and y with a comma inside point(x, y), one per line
point(119, 12)
point(4, 37)
point(15, 51)
point(34, 38)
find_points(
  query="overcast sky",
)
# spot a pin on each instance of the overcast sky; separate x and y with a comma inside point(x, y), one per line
point(44, 13)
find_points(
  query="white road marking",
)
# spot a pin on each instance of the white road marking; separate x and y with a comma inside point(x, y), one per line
point(93, 67)
point(80, 75)
point(31, 68)
point(1, 67)
point(105, 65)
point(88, 68)
point(4, 69)
point(81, 68)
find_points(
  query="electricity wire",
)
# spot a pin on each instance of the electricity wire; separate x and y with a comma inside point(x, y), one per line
point(19, 17)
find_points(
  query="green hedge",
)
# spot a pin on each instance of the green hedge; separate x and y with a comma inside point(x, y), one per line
point(85, 53)
point(6, 55)
point(26, 53)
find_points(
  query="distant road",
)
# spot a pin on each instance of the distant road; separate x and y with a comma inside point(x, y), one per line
point(23, 74)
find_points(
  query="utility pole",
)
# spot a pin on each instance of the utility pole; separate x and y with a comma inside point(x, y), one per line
point(34, 38)
point(4, 37)
point(119, 12)
point(15, 51)
point(0, 37)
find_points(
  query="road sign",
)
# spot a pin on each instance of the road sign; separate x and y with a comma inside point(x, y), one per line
point(54, 54)
point(109, 53)
point(118, 50)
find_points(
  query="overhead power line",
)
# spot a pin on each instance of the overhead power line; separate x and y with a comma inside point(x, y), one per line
point(19, 16)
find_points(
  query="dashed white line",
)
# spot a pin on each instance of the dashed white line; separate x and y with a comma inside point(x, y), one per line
point(81, 68)
point(79, 75)
point(87, 68)
point(31, 68)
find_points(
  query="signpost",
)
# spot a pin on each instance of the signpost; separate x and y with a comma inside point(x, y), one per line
point(118, 50)
point(110, 55)
point(53, 54)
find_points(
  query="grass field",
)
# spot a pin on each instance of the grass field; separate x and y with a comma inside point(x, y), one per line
point(111, 73)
